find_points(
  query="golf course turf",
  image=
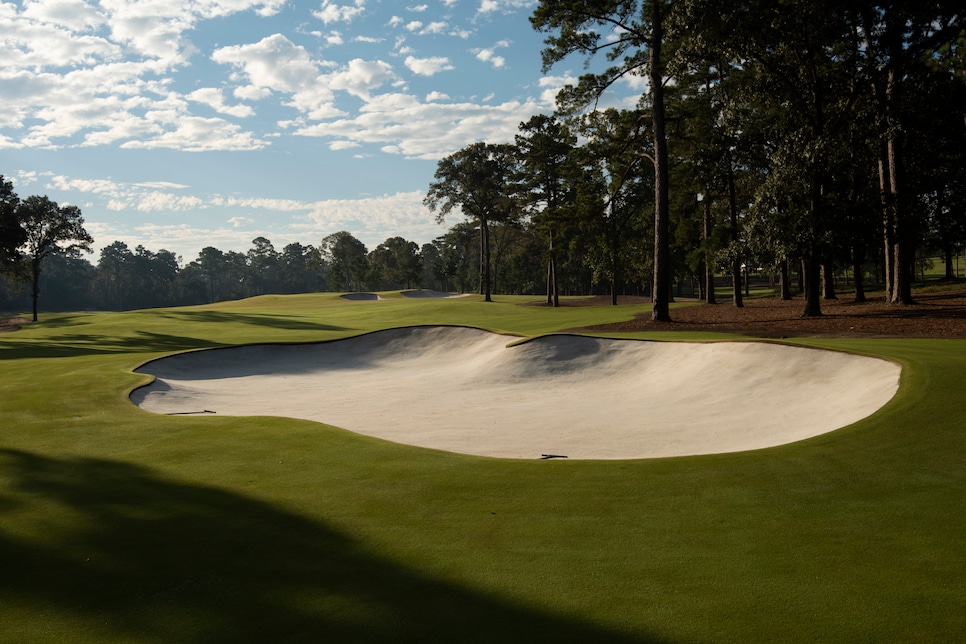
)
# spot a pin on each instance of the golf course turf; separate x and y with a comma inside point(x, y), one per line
point(121, 525)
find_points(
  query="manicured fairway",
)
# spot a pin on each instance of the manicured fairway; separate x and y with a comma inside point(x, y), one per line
point(120, 525)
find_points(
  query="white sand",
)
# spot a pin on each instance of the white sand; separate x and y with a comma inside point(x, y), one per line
point(464, 390)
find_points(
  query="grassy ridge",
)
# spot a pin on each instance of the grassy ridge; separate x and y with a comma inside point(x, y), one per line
point(116, 524)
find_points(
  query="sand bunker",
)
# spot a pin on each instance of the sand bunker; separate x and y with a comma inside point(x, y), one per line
point(361, 296)
point(464, 390)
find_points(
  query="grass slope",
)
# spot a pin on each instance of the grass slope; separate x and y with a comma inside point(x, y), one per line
point(119, 525)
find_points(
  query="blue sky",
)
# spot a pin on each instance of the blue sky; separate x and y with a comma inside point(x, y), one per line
point(181, 125)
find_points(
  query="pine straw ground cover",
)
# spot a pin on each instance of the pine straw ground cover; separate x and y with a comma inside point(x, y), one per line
point(935, 314)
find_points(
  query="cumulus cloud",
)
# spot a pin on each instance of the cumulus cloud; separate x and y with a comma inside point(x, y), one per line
point(404, 126)
point(197, 134)
point(504, 6)
point(361, 77)
point(330, 12)
point(78, 73)
point(488, 55)
point(277, 64)
point(428, 66)
point(213, 98)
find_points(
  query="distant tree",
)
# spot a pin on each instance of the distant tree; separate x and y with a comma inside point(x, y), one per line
point(477, 180)
point(431, 261)
point(458, 257)
point(12, 235)
point(68, 282)
point(49, 229)
point(299, 269)
point(114, 275)
point(263, 266)
point(211, 262)
point(395, 263)
point(346, 256)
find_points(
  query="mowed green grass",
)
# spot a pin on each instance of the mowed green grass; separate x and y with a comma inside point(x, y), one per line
point(120, 525)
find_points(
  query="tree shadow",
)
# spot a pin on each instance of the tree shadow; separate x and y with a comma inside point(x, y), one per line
point(124, 554)
point(71, 345)
point(288, 322)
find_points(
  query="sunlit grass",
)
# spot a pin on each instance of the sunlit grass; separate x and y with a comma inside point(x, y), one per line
point(120, 525)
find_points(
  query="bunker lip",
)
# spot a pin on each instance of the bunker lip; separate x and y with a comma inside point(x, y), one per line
point(470, 391)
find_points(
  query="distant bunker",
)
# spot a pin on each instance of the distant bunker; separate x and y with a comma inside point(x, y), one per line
point(468, 391)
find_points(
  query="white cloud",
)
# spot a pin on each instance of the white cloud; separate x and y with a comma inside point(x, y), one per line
point(343, 145)
point(361, 77)
point(165, 201)
point(76, 73)
point(213, 98)
point(402, 125)
point(196, 134)
point(428, 66)
point(434, 28)
point(160, 185)
point(277, 64)
point(239, 222)
point(504, 6)
point(330, 12)
point(488, 55)
point(418, 8)
point(436, 96)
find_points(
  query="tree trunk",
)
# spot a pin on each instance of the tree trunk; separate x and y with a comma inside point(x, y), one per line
point(900, 254)
point(786, 288)
point(485, 261)
point(857, 274)
point(553, 288)
point(888, 222)
point(662, 226)
point(733, 211)
point(35, 290)
point(813, 263)
point(549, 282)
point(813, 272)
point(708, 260)
point(905, 256)
point(828, 281)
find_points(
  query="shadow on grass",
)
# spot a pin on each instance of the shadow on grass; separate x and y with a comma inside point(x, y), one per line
point(71, 345)
point(288, 322)
point(124, 554)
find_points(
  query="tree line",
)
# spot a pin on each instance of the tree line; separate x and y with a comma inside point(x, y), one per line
point(808, 139)
point(124, 279)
